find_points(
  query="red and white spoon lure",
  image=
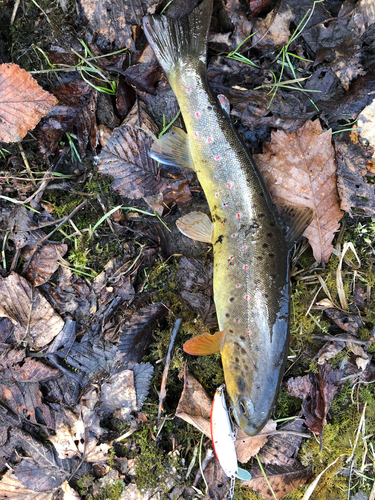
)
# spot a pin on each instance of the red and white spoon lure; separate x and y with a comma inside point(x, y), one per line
point(223, 438)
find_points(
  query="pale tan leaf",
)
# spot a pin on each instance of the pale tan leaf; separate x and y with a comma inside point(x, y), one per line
point(32, 316)
point(299, 169)
point(22, 103)
point(69, 492)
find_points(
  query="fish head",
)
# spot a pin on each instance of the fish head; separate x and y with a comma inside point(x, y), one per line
point(252, 401)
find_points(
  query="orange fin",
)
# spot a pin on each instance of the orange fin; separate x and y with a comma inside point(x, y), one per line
point(205, 344)
point(196, 226)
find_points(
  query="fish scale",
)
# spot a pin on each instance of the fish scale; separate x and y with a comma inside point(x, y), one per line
point(251, 244)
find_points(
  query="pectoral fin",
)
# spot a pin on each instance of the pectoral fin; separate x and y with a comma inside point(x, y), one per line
point(172, 149)
point(296, 220)
point(196, 226)
point(205, 344)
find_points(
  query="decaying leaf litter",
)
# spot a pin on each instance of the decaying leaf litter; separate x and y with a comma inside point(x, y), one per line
point(87, 311)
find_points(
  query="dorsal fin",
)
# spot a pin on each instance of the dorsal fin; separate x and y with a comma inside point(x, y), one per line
point(295, 221)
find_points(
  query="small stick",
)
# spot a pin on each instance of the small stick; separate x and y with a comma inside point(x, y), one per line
point(26, 162)
point(162, 394)
point(14, 13)
point(342, 339)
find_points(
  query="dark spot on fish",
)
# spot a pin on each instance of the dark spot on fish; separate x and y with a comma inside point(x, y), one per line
point(231, 299)
point(272, 224)
point(273, 276)
point(241, 384)
point(243, 352)
point(230, 331)
point(227, 315)
point(248, 179)
point(259, 257)
point(257, 348)
point(270, 235)
point(261, 194)
point(271, 255)
point(258, 386)
point(260, 215)
point(237, 360)
point(209, 107)
point(219, 240)
point(242, 337)
point(265, 245)
point(257, 282)
point(231, 144)
point(266, 295)
point(215, 207)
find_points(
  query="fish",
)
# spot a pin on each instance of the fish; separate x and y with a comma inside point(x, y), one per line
point(251, 238)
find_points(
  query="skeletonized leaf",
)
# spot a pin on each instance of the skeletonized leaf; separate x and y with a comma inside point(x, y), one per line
point(11, 487)
point(31, 371)
point(299, 169)
point(118, 395)
point(142, 380)
point(22, 102)
point(30, 313)
point(136, 175)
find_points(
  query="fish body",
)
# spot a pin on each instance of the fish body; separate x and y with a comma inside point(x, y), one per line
point(250, 244)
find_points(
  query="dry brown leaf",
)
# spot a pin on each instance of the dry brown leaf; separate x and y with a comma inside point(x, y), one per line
point(299, 169)
point(273, 30)
point(33, 318)
point(136, 175)
point(283, 480)
point(11, 487)
point(22, 102)
point(69, 492)
point(44, 262)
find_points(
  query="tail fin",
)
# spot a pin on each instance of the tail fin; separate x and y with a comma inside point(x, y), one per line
point(177, 41)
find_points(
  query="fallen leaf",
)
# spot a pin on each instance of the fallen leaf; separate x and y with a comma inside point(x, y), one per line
point(30, 371)
point(136, 175)
point(317, 392)
point(299, 169)
point(242, 27)
point(112, 25)
point(348, 322)
point(142, 380)
point(217, 481)
point(283, 480)
point(118, 396)
point(136, 334)
point(282, 449)
point(248, 446)
point(69, 493)
point(11, 487)
point(365, 124)
point(77, 102)
point(44, 262)
point(22, 102)
point(273, 30)
point(355, 192)
point(329, 351)
point(32, 316)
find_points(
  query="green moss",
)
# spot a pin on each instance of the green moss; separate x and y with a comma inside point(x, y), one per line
point(287, 405)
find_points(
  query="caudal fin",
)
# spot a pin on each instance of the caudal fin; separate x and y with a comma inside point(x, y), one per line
point(178, 41)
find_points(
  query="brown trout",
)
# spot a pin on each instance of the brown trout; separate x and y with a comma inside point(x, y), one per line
point(250, 240)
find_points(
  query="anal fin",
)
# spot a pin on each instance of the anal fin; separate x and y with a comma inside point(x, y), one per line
point(172, 149)
point(295, 219)
point(205, 344)
point(196, 226)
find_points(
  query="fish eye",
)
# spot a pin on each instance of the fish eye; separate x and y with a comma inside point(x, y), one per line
point(246, 407)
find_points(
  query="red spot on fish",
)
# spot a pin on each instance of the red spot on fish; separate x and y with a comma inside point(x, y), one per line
point(225, 205)
point(223, 223)
point(214, 177)
point(244, 247)
point(209, 139)
point(222, 101)
point(248, 331)
point(245, 267)
point(231, 257)
point(233, 265)
point(246, 297)
point(217, 157)
point(238, 216)
point(197, 114)
point(233, 235)
point(217, 195)
point(229, 185)
point(195, 134)
point(188, 90)
point(238, 285)
point(236, 320)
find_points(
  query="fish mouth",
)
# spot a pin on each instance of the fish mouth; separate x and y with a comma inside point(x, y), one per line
point(251, 422)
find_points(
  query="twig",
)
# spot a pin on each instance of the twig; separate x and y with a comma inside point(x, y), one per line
point(341, 339)
point(162, 394)
point(14, 13)
point(26, 162)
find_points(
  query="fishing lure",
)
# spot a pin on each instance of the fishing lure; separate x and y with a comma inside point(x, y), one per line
point(223, 438)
